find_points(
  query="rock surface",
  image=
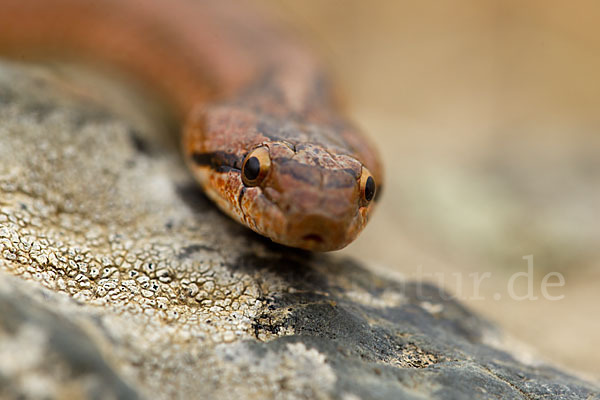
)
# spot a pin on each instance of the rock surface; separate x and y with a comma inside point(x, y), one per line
point(119, 279)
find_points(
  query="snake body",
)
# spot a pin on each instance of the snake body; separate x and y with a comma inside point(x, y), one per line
point(262, 132)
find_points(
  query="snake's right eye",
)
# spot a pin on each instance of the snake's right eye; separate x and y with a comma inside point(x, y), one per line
point(256, 166)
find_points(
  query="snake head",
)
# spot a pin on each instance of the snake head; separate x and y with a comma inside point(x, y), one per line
point(293, 188)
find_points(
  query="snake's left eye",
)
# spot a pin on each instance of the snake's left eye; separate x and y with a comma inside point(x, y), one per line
point(256, 166)
point(367, 186)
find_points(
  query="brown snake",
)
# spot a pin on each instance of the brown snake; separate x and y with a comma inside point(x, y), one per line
point(262, 132)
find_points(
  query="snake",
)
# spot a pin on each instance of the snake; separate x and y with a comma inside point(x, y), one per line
point(262, 126)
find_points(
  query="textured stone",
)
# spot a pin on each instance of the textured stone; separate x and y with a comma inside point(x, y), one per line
point(119, 279)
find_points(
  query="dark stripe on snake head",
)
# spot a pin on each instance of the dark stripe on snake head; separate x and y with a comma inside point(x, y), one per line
point(217, 160)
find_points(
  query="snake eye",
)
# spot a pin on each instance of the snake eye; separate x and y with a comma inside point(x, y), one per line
point(256, 166)
point(367, 186)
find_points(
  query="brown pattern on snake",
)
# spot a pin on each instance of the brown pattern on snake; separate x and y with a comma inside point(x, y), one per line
point(244, 89)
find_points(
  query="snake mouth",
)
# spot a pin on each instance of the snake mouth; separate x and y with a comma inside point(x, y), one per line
point(316, 232)
point(313, 237)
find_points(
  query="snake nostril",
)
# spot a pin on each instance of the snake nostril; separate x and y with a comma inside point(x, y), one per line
point(313, 237)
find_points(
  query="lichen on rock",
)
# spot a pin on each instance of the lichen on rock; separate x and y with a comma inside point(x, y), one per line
point(119, 279)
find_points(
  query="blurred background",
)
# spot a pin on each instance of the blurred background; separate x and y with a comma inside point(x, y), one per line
point(487, 117)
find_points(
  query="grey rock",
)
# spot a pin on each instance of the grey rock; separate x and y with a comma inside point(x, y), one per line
point(119, 279)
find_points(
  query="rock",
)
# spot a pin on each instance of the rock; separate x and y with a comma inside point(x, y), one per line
point(119, 279)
